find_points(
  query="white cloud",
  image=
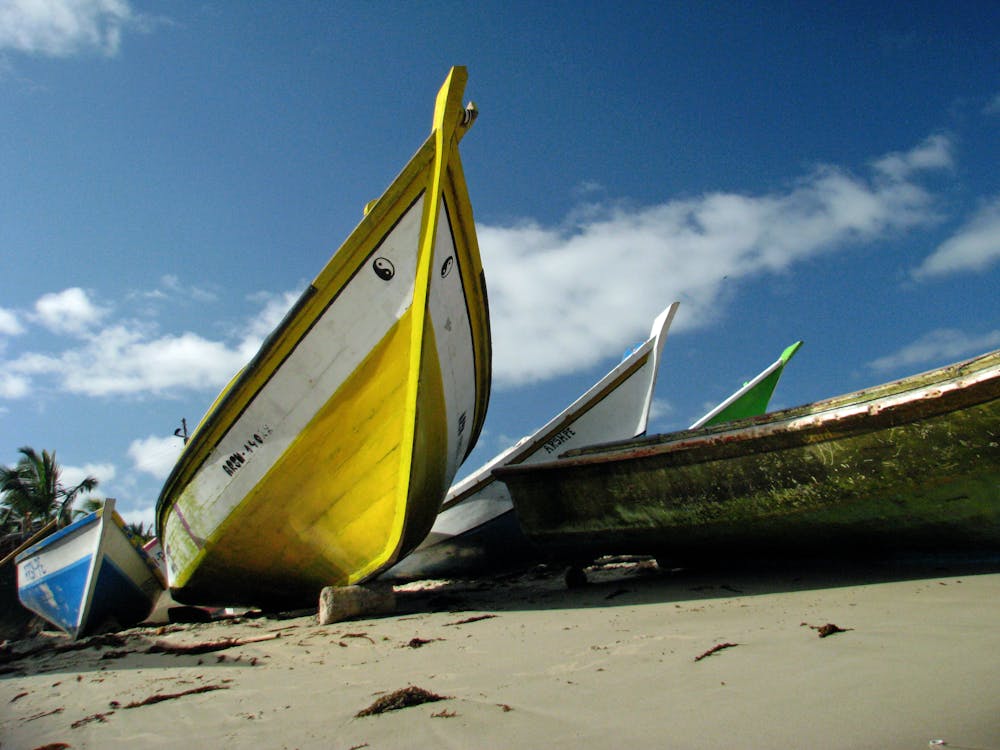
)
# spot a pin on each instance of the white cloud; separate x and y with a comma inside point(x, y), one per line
point(934, 153)
point(9, 324)
point(975, 246)
point(60, 28)
point(69, 311)
point(563, 298)
point(155, 455)
point(127, 359)
point(13, 385)
point(70, 476)
point(941, 344)
point(173, 285)
point(272, 309)
point(660, 409)
point(119, 361)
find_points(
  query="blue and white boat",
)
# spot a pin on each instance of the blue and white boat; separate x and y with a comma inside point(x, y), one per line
point(90, 575)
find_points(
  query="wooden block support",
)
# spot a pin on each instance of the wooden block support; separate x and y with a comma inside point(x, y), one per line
point(338, 603)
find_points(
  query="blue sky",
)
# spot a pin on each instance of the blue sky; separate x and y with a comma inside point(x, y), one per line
point(173, 174)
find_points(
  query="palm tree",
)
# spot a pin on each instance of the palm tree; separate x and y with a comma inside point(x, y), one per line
point(145, 533)
point(31, 493)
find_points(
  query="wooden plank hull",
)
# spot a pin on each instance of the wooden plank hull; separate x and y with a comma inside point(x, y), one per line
point(912, 465)
point(90, 575)
point(476, 529)
point(328, 456)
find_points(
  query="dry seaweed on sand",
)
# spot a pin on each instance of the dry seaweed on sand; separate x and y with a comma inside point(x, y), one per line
point(160, 697)
point(411, 695)
point(827, 630)
point(714, 650)
point(467, 620)
point(418, 642)
point(100, 717)
point(43, 714)
point(362, 636)
point(162, 647)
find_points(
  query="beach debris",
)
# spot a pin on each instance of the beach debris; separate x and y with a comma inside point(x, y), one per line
point(102, 718)
point(365, 636)
point(54, 746)
point(337, 603)
point(714, 650)
point(467, 620)
point(43, 714)
point(444, 713)
point(160, 697)
point(826, 630)
point(419, 642)
point(644, 568)
point(19, 696)
point(504, 707)
point(411, 695)
point(163, 647)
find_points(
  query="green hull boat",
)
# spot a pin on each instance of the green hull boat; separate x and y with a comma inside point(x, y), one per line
point(908, 466)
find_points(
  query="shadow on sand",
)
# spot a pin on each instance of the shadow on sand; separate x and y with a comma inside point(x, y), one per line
point(629, 581)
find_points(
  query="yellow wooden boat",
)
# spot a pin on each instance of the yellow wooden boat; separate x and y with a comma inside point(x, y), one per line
point(327, 457)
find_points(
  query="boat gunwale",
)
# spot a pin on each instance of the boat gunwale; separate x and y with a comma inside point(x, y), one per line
point(73, 528)
point(820, 421)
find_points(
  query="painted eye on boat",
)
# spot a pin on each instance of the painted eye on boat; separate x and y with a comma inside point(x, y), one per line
point(446, 266)
point(384, 269)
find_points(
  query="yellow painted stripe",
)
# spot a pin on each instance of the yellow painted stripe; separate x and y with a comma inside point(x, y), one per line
point(325, 508)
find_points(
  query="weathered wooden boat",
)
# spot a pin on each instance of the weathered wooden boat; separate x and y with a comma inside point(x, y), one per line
point(328, 456)
point(908, 466)
point(476, 529)
point(89, 576)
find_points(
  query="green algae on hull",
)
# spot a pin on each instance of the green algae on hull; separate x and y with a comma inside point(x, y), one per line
point(912, 465)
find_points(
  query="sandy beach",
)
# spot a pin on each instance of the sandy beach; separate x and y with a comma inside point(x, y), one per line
point(639, 657)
